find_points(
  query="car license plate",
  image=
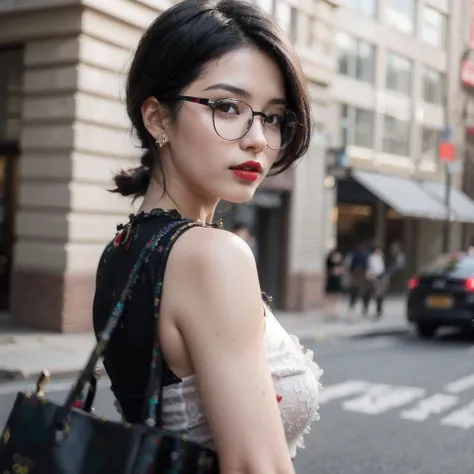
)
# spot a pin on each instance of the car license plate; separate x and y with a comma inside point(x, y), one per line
point(439, 301)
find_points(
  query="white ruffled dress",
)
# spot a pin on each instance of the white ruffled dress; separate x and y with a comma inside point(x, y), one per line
point(296, 380)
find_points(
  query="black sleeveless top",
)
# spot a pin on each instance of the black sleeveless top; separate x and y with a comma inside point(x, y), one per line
point(128, 356)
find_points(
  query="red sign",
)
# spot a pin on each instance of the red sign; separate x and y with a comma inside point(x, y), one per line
point(446, 151)
point(467, 73)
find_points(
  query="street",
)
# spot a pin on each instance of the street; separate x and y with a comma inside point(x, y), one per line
point(390, 404)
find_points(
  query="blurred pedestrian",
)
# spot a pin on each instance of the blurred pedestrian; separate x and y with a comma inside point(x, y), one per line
point(358, 277)
point(334, 288)
point(395, 264)
point(376, 283)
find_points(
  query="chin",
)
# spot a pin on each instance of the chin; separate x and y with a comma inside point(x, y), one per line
point(240, 195)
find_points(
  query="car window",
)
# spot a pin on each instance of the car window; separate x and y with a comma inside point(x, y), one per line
point(447, 265)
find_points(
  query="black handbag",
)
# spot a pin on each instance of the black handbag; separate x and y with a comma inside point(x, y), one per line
point(42, 437)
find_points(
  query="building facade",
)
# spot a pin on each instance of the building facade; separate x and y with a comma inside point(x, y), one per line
point(396, 97)
point(64, 132)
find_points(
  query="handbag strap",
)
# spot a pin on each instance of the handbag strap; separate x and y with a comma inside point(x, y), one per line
point(114, 320)
point(152, 409)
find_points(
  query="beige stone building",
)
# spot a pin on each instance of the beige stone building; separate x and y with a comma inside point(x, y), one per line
point(64, 131)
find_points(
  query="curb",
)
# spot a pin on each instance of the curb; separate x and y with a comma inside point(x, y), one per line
point(322, 336)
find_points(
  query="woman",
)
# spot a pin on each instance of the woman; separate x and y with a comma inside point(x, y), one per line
point(334, 275)
point(218, 99)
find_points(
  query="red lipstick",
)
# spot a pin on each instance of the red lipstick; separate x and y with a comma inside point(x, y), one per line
point(249, 171)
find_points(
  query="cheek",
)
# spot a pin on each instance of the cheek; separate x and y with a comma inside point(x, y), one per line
point(196, 144)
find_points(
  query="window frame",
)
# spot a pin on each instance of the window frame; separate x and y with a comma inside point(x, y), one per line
point(407, 61)
point(392, 138)
point(352, 57)
point(391, 11)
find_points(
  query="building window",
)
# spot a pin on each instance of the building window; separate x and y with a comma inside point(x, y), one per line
point(364, 128)
point(398, 73)
point(396, 136)
point(293, 24)
point(282, 13)
point(356, 126)
point(430, 139)
point(367, 8)
point(433, 27)
point(267, 5)
point(356, 57)
point(344, 122)
point(433, 85)
point(401, 15)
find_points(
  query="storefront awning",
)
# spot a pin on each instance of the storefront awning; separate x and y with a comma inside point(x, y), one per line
point(461, 205)
point(404, 195)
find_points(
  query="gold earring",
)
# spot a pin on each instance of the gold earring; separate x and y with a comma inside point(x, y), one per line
point(162, 141)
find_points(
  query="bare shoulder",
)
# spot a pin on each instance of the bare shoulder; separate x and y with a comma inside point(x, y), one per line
point(211, 248)
point(214, 272)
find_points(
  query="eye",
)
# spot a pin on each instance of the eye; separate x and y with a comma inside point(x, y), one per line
point(275, 118)
point(227, 107)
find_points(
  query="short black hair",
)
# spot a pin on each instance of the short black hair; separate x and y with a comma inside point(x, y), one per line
point(173, 53)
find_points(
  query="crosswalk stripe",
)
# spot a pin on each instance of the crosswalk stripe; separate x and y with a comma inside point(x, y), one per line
point(460, 385)
point(380, 398)
point(462, 418)
point(341, 390)
point(427, 407)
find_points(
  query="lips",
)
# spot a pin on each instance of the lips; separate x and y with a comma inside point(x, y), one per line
point(249, 166)
point(248, 171)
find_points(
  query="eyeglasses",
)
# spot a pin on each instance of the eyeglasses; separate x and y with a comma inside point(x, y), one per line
point(233, 118)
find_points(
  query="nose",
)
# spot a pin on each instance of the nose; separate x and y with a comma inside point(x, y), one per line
point(255, 138)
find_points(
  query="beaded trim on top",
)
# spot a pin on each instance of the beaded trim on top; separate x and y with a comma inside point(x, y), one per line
point(171, 213)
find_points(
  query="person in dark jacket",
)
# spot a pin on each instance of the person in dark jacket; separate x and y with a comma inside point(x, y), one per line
point(334, 274)
point(358, 277)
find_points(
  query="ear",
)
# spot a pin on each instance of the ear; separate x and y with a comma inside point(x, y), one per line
point(155, 117)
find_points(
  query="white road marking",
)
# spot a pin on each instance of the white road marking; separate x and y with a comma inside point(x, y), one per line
point(462, 418)
point(341, 390)
point(460, 385)
point(380, 398)
point(433, 405)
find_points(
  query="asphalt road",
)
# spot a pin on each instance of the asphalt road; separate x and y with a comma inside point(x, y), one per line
point(391, 405)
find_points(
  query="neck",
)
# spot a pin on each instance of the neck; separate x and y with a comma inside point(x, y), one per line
point(179, 197)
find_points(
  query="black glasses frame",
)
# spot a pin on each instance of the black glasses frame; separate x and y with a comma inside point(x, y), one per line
point(211, 103)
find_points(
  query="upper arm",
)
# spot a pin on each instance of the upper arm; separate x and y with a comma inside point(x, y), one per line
point(220, 317)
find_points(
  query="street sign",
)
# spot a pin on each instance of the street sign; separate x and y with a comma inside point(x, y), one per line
point(447, 133)
point(446, 151)
point(455, 167)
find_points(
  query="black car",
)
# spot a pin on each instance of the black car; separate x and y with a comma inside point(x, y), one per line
point(442, 294)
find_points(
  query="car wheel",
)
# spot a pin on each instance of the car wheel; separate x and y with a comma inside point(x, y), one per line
point(426, 330)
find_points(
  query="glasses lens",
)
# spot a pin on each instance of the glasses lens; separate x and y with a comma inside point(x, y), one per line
point(232, 118)
point(280, 128)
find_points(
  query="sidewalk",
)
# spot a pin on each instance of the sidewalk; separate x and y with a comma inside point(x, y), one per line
point(312, 325)
point(24, 353)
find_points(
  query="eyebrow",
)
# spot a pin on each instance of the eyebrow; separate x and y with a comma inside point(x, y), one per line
point(242, 92)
